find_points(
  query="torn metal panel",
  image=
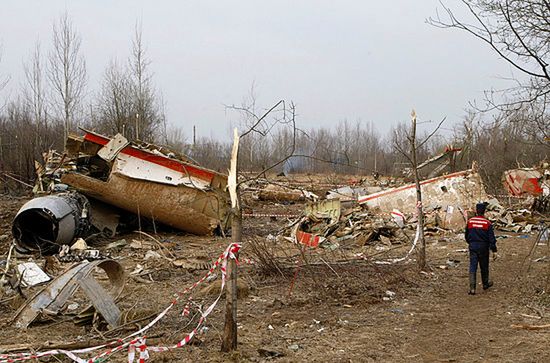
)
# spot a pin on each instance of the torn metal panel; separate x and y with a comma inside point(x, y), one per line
point(31, 274)
point(460, 190)
point(54, 296)
point(104, 217)
point(113, 147)
point(329, 208)
point(308, 239)
point(528, 181)
point(137, 168)
point(442, 161)
point(346, 193)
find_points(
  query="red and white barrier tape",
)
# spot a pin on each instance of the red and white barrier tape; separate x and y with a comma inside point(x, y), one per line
point(259, 215)
point(139, 341)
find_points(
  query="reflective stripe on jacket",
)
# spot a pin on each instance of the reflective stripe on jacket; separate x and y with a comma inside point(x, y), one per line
point(480, 230)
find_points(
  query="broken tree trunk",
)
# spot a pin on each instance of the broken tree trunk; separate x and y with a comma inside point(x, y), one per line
point(229, 342)
point(420, 226)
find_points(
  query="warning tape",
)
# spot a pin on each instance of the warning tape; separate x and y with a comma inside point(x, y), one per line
point(138, 343)
point(513, 196)
point(259, 215)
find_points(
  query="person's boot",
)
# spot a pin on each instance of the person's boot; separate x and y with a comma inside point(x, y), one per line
point(472, 284)
point(485, 280)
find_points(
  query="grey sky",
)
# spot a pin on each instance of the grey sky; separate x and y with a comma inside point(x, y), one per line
point(357, 60)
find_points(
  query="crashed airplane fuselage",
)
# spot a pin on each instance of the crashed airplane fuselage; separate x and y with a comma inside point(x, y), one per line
point(452, 194)
point(149, 183)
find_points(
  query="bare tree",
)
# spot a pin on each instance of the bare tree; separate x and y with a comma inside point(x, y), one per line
point(409, 150)
point(67, 71)
point(517, 31)
point(3, 79)
point(34, 91)
point(115, 102)
point(34, 96)
point(148, 116)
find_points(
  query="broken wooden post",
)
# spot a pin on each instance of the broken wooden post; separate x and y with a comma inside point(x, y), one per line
point(229, 342)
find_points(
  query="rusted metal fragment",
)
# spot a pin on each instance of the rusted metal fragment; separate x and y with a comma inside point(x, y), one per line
point(192, 210)
point(104, 217)
point(459, 190)
point(53, 297)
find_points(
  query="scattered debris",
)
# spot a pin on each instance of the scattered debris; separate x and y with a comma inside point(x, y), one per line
point(448, 195)
point(347, 193)
point(31, 274)
point(510, 220)
point(79, 245)
point(534, 182)
point(280, 193)
point(445, 160)
point(270, 353)
point(52, 298)
point(141, 179)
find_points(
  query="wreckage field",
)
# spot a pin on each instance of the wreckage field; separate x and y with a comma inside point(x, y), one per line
point(333, 280)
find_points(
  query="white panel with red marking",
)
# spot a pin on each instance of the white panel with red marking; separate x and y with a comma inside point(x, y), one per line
point(137, 168)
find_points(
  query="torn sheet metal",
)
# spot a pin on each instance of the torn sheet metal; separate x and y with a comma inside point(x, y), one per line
point(329, 208)
point(326, 210)
point(31, 274)
point(460, 190)
point(53, 297)
point(346, 193)
point(308, 239)
point(446, 159)
point(113, 147)
point(521, 182)
point(156, 186)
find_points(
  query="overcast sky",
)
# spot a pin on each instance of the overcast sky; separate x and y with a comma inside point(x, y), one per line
point(357, 60)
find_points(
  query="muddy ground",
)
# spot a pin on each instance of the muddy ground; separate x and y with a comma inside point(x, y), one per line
point(332, 307)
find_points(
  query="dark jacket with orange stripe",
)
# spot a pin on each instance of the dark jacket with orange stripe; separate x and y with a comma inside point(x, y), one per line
point(480, 233)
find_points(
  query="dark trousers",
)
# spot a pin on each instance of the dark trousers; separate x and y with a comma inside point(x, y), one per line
point(479, 254)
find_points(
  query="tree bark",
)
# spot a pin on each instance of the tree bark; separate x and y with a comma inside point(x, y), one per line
point(422, 249)
point(230, 329)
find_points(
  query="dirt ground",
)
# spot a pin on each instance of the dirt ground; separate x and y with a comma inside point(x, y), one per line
point(331, 308)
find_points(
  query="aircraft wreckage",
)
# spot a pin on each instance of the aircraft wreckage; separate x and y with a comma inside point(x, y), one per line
point(100, 173)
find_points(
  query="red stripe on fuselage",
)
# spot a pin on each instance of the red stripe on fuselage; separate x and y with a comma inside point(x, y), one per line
point(185, 169)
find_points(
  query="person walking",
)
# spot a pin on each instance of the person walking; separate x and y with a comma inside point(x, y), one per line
point(481, 238)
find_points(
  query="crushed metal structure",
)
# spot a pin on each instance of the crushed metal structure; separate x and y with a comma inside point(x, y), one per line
point(53, 298)
point(451, 194)
point(530, 182)
point(149, 183)
point(103, 173)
